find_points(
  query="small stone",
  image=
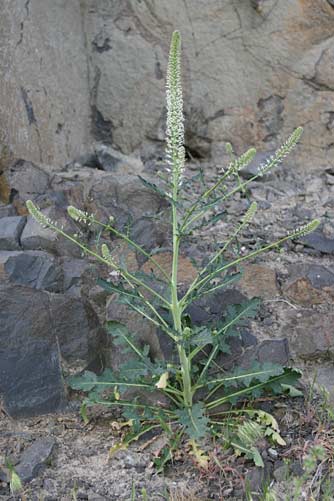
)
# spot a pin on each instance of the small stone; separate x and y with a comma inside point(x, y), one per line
point(34, 459)
point(112, 160)
point(273, 453)
point(10, 232)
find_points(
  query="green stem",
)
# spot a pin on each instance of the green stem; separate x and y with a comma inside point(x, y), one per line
point(133, 244)
point(198, 283)
point(176, 310)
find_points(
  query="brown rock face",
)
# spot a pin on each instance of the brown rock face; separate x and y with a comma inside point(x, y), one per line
point(252, 72)
point(310, 285)
point(187, 272)
point(312, 336)
point(259, 281)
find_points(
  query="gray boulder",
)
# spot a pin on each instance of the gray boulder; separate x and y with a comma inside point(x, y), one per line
point(39, 331)
point(10, 232)
point(35, 269)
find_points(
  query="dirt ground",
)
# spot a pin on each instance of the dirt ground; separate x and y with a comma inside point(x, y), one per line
point(80, 467)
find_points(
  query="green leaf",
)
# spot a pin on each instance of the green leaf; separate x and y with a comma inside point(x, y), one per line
point(118, 289)
point(84, 382)
point(194, 420)
point(153, 187)
point(291, 390)
point(245, 441)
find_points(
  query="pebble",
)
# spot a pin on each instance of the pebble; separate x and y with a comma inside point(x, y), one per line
point(273, 453)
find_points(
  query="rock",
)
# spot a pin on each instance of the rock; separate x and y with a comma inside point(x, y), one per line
point(22, 180)
point(36, 327)
point(7, 210)
point(35, 269)
point(150, 234)
point(256, 478)
point(112, 160)
point(187, 271)
point(56, 120)
point(51, 123)
point(144, 331)
point(10, 232)
point(259, 281)
point(109, 195)
point(31, 378)
point(252, 169)
point(275, 351)
point(311, 335)
point(273, 453)
point(319, 242)
point(309, 284)
point(74, 271)
point(324, 378)
point(36, 237)
point(35, 458)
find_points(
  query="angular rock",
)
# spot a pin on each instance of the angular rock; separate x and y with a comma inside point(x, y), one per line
point(122, 196)
point(150, 234)
point(22, 180)
point(258, 281)
point(252, 169)
point(312, 335)
point(143, 330)
point(31, 381)
point(35, 458)
point(309, 284)
point(275, 351)
point(111, 160)
point(36, 329)
point(73, 270)
point(324, 377)
point(186, 271)
point(35, 237)
point(7, 210)
point(35, 269)
point(319, 242)
point(10, 232)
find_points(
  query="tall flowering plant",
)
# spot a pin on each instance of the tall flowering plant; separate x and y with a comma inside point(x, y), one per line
point(195, 385)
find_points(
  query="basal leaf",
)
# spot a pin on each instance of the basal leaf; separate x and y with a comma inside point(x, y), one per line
point(84, 382)
point(194, 420)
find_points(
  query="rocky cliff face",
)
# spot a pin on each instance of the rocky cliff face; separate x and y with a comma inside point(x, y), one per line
point(80, 71)
point(82, 80)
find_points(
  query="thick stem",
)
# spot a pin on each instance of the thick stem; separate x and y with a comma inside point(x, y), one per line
point(177, 312)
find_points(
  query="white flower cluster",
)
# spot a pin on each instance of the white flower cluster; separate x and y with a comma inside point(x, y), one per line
point(281, 153)
point(106, 254)
point(41, 218)
point(239, 163)
point(304, 230)
point(175, 152)
point(79, 215)
point(250, 213)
